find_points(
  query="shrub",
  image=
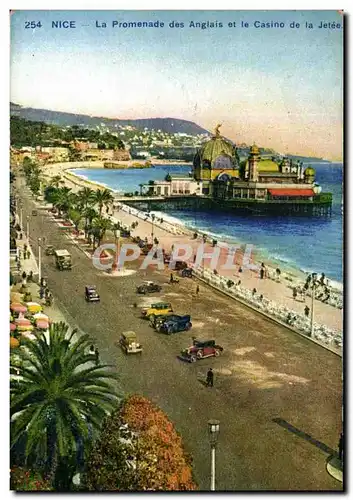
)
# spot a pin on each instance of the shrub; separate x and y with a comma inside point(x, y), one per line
point(139, 449)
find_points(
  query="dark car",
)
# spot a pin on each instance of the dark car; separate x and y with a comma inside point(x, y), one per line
point(156, 321)
point(178, 265)
point(91, 294)
point(201, 349)
point(148, 287)
point(186, 273)
point(175, 324)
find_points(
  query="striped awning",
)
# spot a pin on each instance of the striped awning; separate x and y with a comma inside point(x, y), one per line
point(291, 192)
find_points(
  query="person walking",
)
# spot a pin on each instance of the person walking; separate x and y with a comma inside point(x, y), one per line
point(92, 351)
point(28, 254)
point(295, 293)
point(307, 311)
point(209, 378)
point(197, 290)
point(96, 354)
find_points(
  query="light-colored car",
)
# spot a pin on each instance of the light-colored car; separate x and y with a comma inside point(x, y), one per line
point(129, 344)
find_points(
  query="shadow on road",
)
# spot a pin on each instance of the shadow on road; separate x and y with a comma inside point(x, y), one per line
point(304, 435)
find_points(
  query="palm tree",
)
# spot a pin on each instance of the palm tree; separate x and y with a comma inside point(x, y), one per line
point(56, 181)
point(58, 398)
point(103, 197)
point(62, 199)
point(86, 201)
point(89, 214)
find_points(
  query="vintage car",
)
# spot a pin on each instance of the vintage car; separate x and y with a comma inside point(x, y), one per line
point(186, 273)
point(91, 294)
point(129, 343)
point(174, 324)
point(178, 265)
point(156, 321)
point(148, 287)
point(201, 349)
point(158, 309)
point(49, 250)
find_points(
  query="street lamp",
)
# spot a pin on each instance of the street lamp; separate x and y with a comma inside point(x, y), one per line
point(313, 279)
point(213, 428)
point(152, 219)
point(39, 259)
point(117, 250)
point(27, 228)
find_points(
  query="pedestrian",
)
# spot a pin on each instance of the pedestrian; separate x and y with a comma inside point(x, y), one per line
point(171, 278)
point(307, 311)
point(278, 273)
point(209, 378)
point(28, 254)
point(19, 254)
point(21, 236)
point(340, 447)
point(96, 354)
point(24, 277)
point(295, 293)
point(240, 270)
point(254, 292)
point(92, 351)
point(41, 292)
point(262, 271)
point(18, 266)
point(197, 289)
point(322, 279)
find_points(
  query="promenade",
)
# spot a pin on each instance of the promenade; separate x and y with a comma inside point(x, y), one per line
point(277, 395)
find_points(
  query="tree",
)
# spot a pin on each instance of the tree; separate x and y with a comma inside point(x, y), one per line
point(61, 199)
point(60, 398)
point(139, 449)
point(56, 181)
point(89, 214)
point(103, 197)
point(100, 225)
point(75, 216)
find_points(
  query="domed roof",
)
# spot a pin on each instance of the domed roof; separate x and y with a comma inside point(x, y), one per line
point(215, 147)
point(309, 171)
point(266, 166)
point(254, 150)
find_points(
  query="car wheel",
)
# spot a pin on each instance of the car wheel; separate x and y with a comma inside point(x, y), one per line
point(188, 326)
point(193, 358)
point(199, 354)
point(217, 352)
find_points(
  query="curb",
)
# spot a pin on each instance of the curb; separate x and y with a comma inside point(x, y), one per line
point(271, 318)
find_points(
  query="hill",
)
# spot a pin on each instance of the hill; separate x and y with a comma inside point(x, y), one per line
point(168, 125)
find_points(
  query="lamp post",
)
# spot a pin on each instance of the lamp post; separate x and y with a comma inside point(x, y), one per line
point(117, 251)
point(213, 428)
point(313, 279)
point(152, 219)
point(39, 259)
point(27, 231)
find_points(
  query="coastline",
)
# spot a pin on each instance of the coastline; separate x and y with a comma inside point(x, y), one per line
point(172, 231)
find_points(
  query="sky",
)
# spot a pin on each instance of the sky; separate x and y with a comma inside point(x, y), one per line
point(277, 87)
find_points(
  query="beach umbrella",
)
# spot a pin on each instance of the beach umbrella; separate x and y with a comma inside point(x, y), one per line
point(34, 307)
point(12, 327)
point(40, 315)
point(18, 308)
point(22, 321)
point(28, 336)
point(42, 325)
point(14, 343)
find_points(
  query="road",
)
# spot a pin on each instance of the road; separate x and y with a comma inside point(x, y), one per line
point(277, 395)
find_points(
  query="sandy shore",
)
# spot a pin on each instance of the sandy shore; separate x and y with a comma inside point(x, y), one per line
point(279, 292)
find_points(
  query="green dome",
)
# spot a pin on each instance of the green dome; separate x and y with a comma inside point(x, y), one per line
point(215, 147)
point(266, 166)
point(309, 171)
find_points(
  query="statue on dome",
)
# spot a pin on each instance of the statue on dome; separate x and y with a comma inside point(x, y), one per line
point(217, 132)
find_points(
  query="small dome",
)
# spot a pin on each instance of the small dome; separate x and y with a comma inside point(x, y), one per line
point(309, 171)
point(215, 147)
point(254, 150)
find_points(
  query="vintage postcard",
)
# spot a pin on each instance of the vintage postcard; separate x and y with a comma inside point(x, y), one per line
point(176, 250)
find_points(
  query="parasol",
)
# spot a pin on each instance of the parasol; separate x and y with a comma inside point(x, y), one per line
point(18, 308)
point(22, 321)
point(42, 325)
point(23, 328)
point(34, 307)
point(40, 315)
point(14, 343)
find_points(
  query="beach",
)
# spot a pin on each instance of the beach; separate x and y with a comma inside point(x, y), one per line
point(170, 234)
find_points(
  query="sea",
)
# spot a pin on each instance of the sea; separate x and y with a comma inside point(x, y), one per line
point(306, 244)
